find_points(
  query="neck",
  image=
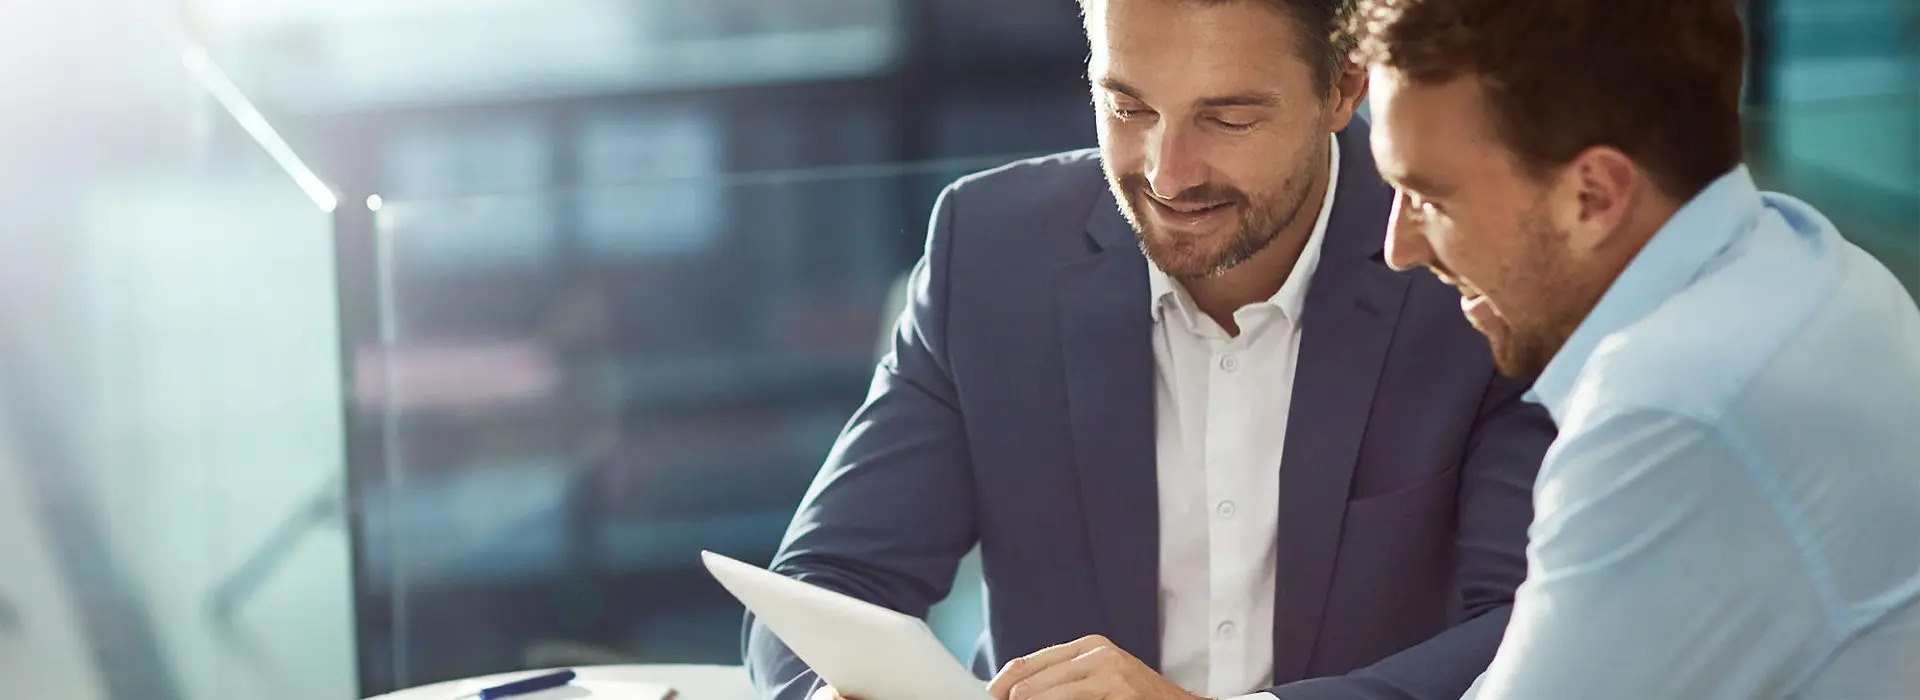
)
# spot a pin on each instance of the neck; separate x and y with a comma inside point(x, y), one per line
point(1259, 277)
point(1612, 256)
point(1644, 221)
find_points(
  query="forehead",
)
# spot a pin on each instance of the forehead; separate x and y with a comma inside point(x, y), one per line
point(1193, 48)
point(1428, 130)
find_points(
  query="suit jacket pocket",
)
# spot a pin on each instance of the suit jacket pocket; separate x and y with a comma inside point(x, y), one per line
point(1432, 498)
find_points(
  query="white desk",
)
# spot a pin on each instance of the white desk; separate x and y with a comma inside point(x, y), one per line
point(691, 682)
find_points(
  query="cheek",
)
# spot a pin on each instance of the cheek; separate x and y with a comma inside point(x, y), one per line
point(1121, 146)
point(1260, 165)
point(1444, 236)
point(1506, 262)
point(1467, 251)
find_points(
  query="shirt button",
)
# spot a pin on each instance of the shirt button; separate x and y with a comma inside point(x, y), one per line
point(1226, 629)
point(1230, 363)
point(1225, 509)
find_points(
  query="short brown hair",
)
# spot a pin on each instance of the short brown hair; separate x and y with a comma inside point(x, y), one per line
point(1322, 45)
point(1658, 79)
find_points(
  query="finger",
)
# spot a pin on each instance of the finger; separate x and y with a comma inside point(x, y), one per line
point(1026, 666)
point(1061, 674)
point(1083, 689)
point(1103, 655)
point(826, 692)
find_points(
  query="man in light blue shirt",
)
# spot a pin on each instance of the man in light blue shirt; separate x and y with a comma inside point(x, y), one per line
point(1732, 509)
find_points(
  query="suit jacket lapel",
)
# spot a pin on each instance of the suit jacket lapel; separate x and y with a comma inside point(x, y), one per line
point(1106, 345)
point(1346, 327)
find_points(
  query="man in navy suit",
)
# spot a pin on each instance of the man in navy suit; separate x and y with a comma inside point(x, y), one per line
point(1207, 441)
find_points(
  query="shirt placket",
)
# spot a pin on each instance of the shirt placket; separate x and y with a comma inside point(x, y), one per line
point(1226, 412)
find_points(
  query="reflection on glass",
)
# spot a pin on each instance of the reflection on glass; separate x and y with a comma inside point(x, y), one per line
point(170, 455)
point(308, 56)
point(566, 430)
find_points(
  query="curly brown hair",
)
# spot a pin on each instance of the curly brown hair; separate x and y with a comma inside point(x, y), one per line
point(1657, 79)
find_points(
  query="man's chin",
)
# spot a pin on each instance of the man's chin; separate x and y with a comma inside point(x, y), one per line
point(1183, 265)
point(1515, 359)
point(1500, 341)
point(1510, 366)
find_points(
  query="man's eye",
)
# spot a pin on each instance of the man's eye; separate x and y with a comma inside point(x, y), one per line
point(1233, 126)
point(1416, 207)
point(1421, 205)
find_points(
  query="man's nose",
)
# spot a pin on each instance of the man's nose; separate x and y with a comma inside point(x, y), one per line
point(1173, 162)
point(1406, 244)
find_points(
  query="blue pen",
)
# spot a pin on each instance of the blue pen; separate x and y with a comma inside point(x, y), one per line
point(524, 686)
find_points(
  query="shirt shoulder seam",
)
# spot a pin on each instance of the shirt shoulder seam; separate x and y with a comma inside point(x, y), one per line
point(1763, 477)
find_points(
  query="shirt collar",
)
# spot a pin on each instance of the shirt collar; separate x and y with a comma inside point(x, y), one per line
point(1669, 263)
point(1164, 291)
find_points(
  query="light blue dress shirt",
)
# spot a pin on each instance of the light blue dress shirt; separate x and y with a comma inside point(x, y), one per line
point(1732, 509)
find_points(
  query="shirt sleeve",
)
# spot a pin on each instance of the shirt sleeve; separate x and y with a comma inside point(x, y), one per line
point(1660, 566)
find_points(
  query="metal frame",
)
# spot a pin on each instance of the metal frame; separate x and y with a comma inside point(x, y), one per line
point(364, 433)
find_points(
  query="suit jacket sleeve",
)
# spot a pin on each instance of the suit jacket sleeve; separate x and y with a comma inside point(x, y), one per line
point(890, 514)
point(1496, 506)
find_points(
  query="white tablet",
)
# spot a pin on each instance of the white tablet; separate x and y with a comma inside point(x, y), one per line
point(865, 651)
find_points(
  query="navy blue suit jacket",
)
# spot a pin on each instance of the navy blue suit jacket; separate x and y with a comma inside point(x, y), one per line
point(1016, 411)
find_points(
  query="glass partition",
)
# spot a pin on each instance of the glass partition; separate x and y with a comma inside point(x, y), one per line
point(581, 390)
point(170, 449)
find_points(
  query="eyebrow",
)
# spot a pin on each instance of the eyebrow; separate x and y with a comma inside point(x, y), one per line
point(1248, 99)
point(1410, 181)
point(1120, 87)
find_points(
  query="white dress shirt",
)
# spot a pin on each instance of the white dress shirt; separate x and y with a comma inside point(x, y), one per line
point(1221, 412)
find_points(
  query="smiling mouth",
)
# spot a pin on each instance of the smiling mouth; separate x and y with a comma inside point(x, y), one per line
point(1467, 292)
point(1187, 210)
point(1478, 310)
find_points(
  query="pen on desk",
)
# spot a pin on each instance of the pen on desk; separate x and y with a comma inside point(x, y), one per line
point(525, 686)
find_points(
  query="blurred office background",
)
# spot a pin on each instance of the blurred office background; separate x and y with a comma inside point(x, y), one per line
point(349, 345)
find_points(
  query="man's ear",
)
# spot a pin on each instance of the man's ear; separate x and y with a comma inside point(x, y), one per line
point(1345, 96)
point(1596, 195)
